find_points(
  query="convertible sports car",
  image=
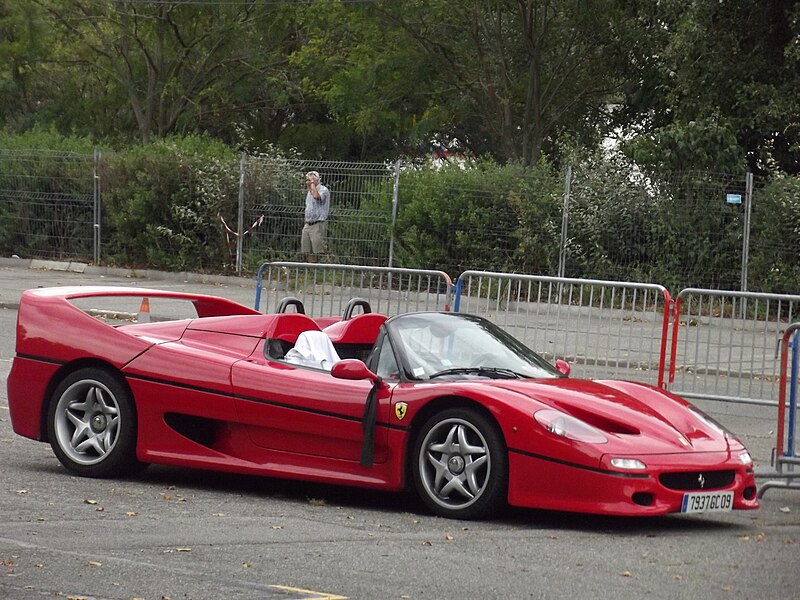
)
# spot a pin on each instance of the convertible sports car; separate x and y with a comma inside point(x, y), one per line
point(448, 403)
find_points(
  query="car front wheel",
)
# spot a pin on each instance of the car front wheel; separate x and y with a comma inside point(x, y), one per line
point(460, 464)
point(91, 424)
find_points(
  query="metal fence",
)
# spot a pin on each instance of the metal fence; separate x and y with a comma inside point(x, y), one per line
point(603, 328)
point(726, 345)
point(326, 289)
point(359, 225)
point(786, 456)
point(689, 229)
point(48, 204)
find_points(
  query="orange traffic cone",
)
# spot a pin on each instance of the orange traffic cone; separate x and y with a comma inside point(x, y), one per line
point(144, 311)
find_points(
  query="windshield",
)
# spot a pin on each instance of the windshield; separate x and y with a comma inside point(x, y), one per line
point(450, 345)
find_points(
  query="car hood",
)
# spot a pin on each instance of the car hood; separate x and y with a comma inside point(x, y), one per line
point(629, 413)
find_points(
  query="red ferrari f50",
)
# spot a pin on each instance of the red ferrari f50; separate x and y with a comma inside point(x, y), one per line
point(448, 403)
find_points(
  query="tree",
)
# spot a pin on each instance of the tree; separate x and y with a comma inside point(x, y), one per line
point(167, 67)
point(726, 62)
point(503, 77)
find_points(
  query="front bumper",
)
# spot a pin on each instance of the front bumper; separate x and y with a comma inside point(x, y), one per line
point(541, 482)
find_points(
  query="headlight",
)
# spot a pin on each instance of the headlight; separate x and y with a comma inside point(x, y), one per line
point(746, 459)
point(567, 426)
point(628, 464)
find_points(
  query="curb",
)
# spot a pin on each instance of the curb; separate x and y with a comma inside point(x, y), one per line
point(87, 269)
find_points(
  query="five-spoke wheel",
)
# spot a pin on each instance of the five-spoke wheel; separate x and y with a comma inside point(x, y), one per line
point(460, 465)
point(91, 424)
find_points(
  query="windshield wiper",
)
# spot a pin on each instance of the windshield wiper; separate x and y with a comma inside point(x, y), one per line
point(486, 371)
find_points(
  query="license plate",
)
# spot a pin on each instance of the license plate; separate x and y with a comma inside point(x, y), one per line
point(698, 502)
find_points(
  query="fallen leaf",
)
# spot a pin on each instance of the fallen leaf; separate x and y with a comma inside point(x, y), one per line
point(247, 565)
point(727, 588)
point(626, 574)
point(183, 549)
point(90, 501)
point(99, 509)
point(785, 509)
point(165, 497)
point(678, 577)
point(427, 543)
point(277, 526)
point(218, 515)
point(449, 538)
point(94, 563)
point(21, 492)
point(760, 537)
point(130, 513)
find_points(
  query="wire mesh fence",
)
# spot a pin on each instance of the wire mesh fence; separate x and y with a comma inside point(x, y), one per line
point(47, 206)
point(677, 230)
point(359, 227)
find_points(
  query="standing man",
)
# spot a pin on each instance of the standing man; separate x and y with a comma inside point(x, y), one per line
point(314, 240)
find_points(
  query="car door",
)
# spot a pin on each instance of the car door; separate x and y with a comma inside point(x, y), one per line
point(305, 411)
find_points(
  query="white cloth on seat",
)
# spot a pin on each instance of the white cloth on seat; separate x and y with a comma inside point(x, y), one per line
point(313, 349)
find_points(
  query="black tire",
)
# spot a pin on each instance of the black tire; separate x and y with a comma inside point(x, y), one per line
point(460, 464)
point(91, 424)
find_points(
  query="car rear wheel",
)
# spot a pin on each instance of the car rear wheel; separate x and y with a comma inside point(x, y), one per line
point(460, 464)
point(91, 424)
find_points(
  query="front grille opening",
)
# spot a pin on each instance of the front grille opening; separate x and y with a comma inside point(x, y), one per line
point(697, 480)
point(749, 492)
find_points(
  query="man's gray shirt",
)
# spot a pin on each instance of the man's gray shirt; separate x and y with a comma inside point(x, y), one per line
point(317, 210)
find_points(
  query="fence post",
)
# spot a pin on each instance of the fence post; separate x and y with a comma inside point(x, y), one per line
point(97, 213)
point(562, 251)
point(746, 233)
point(395, 197)
point(240, 217)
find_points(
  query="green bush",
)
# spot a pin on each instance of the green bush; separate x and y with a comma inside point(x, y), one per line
point(480, 216)
point(163, 202)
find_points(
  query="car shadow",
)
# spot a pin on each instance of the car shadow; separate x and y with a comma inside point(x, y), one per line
point(302, 492)
point(408, 502)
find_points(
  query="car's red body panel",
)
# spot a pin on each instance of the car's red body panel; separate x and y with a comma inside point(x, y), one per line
point(209, 394)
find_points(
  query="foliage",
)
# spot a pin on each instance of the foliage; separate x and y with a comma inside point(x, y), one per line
point(483, 215)
point(775, 241)
point(162, 203)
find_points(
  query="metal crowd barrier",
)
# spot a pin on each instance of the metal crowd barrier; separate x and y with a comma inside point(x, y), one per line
point(325, 289)
point(786, 459)
point(605, 329)
point(725, 344)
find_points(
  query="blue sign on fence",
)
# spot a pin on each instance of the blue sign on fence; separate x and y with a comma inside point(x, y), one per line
point(733, 198)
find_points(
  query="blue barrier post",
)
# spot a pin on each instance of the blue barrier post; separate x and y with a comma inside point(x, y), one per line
point(793, 345)
point(259, 278)
point(457, 294)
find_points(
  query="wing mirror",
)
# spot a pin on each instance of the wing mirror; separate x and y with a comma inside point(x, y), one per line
point(353, 369)
point(563, 367)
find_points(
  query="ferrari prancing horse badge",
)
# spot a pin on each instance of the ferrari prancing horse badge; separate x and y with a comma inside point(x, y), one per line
point(400, 410)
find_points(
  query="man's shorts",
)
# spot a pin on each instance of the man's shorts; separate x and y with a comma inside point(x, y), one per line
point(314, 239)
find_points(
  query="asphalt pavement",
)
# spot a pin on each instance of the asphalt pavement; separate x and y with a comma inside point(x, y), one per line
point(180, 533)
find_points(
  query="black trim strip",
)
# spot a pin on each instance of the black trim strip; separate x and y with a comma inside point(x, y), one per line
point(253, 399)
point(582, 467)
point(50, 361)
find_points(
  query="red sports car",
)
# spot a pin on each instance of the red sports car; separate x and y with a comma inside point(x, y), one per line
point(448, 403)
